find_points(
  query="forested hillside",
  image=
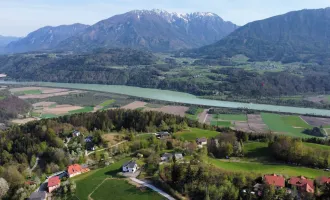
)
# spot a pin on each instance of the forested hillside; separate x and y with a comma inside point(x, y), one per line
point(295, 36)
point(11, 106)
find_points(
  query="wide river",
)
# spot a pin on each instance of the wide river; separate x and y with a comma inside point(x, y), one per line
point(171, 96)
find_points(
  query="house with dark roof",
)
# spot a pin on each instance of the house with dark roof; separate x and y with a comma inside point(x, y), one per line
point(130, 166)
point(201, 141)
point(163, 135)
point(166, 157)
point(75, 133)
point(303, 184)
point(53, 183)
point(38, 195)
point(275, 180)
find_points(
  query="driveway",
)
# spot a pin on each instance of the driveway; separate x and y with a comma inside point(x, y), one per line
point(164, 194)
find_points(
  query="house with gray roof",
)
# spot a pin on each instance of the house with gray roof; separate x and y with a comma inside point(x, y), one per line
point(38, 195)
point(130, 166)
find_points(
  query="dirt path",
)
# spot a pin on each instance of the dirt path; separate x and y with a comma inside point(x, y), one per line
point(106, 148)
point(164, 194)
point(203, 116)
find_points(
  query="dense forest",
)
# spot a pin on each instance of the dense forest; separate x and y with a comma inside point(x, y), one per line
point(138, 68)
point(11, 106)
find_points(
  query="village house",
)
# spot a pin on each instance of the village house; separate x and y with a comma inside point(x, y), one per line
point(162, 135)
point(303, 184)
point(76, 133)
point(75, 169)
point(201, 141)
point(89, 139)
point(166, 157)
point(178, 156)
point(324, 180)
point(40, 195)
point(53, 183)
point(130, 166)
point(275, 180)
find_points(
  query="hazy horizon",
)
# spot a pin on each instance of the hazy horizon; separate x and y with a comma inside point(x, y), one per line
point(20, 18)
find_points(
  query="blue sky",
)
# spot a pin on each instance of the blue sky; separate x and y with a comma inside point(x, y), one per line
point(19, 17)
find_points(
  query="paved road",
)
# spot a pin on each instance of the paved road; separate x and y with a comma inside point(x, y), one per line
point(106, 148)
point(153, 188)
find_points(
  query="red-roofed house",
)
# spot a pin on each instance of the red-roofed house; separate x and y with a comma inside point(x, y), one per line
point(303, 184)
point(53, 183)
point(275, 180)
point(324, 180)
point(74, 170)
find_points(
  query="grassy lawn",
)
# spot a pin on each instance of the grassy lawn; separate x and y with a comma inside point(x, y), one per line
point(256, 149)
point(122, 190)
point(28, 92)
point(194, 133)
point(328, 97)
point(87, 183)
point(48, 116)
point(83, 110)
point(260, 168)
point(296, 121)
point(2, 97)
point(107, 103)
point(285, 124)
point(231, 117)
point(317, 146)
point(221, 123)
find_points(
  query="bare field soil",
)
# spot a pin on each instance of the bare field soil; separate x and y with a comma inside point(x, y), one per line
point(242, 126)
point(52, 90)
point(61, 109)
point(23, 121)
point(174, 110)
point(256, 124)
point(22, 89)
point(316, 121)
point(134, 105)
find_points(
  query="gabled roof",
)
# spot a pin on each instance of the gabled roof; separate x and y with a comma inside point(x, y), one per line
point(130, 164)
point(38, 195)
point(72, 169)
point(302, 182)
point(167, 155)
point(53, 181)
point(200, 140)
point(275, 180)
point(324, 180)
point(178, 155)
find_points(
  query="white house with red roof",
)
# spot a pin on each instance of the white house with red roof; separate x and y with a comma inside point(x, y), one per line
point(53, 183)
point(275, 180)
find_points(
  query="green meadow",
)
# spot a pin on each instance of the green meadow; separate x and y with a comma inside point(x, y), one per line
point(194, 133)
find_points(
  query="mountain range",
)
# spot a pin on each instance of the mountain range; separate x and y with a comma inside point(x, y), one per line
point(5, 40)
point(154, 30)
point(44, 38)
point(296, 36)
